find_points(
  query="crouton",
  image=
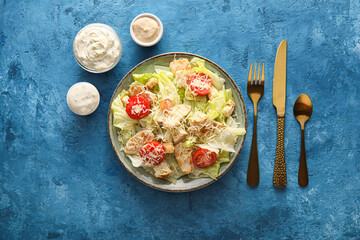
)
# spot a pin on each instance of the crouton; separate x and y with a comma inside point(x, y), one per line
point(229, 108)
point(150, 84)
point(162, 170)
point(134, 90)
point(134, 145)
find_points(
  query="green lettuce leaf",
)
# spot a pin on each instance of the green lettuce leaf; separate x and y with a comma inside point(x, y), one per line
point(227, 138)
point(167, 89)
point(123, 93)
point(237, 131)
point(125, 135)
point(213, 108)
point(121, 119)
point(197, 62)
point(143, 78)
point(174, 166)
point(181, 92)
point(211, 171)
point(208, 172)
point(224, 156)
point(189, 141)
point(166, 70)
point(196, 102)
point(228, 95)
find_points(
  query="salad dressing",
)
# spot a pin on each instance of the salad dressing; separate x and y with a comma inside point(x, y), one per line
point(97, 47)
point(83, 98)
point(146, 29)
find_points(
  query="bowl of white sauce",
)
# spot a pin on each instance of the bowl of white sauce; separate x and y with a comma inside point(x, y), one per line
point(83, 98)
point(146, 29)
point(97, 48)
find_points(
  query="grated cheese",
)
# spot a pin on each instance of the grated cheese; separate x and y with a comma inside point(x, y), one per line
point(138, 109)
point(201, 125)
point(200, 83)
point(168, 123)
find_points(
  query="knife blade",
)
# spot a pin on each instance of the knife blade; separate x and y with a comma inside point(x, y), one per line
point(279, 99)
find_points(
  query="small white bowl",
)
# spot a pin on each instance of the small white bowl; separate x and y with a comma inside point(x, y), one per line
point(149, 44)
point(81, 93)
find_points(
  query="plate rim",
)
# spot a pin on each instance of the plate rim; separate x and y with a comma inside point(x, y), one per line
point(112, 144)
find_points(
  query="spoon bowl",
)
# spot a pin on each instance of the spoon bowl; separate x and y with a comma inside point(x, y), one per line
point(303, 109)
point(302, 112)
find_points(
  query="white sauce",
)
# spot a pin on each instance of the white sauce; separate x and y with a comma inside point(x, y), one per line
point(97, 47)
point(146, 29)
point(83, 98)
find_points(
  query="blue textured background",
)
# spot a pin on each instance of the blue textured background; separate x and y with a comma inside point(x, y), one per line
point(61, 180)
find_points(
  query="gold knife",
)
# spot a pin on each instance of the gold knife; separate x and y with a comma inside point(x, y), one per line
point(279, 97)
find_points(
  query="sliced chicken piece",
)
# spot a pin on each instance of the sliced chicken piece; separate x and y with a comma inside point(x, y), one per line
point(200, 124)
point(134, 145)
point(183, 156)
point(168, 146)
point(181, 64)
point(180, 110)
point(124, 100)
point(182, 70)
point(151, 83)
point(229, 108)
point(175, 116)
point(149, 96)
point(178, 135)
point(134, 90)
point(182, 77)
point(162, 170)
point(213, 93)
point(166, 105)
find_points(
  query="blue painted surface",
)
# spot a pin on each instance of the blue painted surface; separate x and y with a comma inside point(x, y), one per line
point(61, 180)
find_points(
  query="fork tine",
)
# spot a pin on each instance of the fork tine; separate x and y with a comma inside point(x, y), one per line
point(263, 74)
point(254, 79)
point(249, 77)
point(258, 75)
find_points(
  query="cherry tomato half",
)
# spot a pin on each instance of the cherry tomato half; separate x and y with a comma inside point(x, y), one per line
point(137, 107)
point(203, 158)
point(200, 83)
point(152, 152)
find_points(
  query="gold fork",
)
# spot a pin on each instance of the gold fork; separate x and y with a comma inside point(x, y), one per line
point(255, 91)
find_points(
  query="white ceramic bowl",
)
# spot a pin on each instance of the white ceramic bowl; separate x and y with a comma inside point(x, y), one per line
point(149, 44)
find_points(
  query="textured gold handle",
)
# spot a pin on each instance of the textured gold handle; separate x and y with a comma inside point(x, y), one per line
point(279, 179)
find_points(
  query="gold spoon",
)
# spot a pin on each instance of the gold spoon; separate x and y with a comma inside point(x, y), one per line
point(302, 112)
